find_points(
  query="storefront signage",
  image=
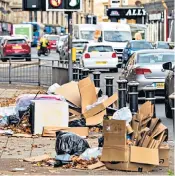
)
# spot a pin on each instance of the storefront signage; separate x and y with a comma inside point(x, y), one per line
point(154, 17)
point(136, 12)
point(115, 13)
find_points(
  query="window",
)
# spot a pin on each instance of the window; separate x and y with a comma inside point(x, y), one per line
point(17, 41)
point(100, 49)
point(141, 45)
point(151, 58)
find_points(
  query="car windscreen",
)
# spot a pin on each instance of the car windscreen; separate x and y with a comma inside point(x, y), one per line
point(153, 58)
point(117, 36)
point(141, 45)
point(87, 35)
point(163, 45)
point(100, 49)
point(79, 44)
point(16, 41)
point(52, 38)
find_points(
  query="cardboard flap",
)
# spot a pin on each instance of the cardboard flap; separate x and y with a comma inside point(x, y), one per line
point(70, 92)
point(158, 130)
point(100, 107)
point(95, 120)
point(87, 92)
point(145, 111)
point(144, 155)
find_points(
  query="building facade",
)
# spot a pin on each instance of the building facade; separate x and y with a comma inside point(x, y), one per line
point(160, 20)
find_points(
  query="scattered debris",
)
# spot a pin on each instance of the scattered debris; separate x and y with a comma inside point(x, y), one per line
point(37, 158)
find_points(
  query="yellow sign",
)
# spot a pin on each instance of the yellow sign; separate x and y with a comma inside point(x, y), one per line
point(74, 54)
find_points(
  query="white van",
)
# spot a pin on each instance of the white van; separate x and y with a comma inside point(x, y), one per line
point(84, 31)
point(115, 34)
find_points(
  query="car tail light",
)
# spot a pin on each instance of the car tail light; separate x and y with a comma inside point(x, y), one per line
point(87, 56)
point(142, 71)
point(114, 55)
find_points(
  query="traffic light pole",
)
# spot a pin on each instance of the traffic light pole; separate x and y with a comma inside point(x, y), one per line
point(70, 33)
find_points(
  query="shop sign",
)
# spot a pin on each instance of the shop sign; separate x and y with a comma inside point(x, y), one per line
point(154, 17)
point(136, 12)
point(114, 13)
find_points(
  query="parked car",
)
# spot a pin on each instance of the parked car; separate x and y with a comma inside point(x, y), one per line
point(52, 41)
point(169, 87)
point(145, 67)
point(60, 42)
point(15, 48)
point(161, 45)
point(133, 46)
point(99, 56)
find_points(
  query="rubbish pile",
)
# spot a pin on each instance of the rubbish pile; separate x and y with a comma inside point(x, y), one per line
point(129, 142)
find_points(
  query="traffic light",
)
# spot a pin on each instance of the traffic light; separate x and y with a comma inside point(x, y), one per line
point(64, 5)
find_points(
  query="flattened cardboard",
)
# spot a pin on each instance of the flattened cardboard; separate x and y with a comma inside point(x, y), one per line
point(158, 130)
point(51, 131)
point(164, 155)
point(144, 155)
point(154, 122)
point(100, 107)
point(135, 167)
point(96, 165)
point(87, 92)
point(95, 120)
point(74, 112)
point(71, 93)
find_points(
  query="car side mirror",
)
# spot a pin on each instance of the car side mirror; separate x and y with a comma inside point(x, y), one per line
point(80, 52)
point(167, 66)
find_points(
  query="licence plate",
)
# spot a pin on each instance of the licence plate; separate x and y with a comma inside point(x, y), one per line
point(101, 62)
point(159, 85)
point(17, 47)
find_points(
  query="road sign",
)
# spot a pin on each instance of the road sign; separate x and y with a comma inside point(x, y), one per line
point(64, 5)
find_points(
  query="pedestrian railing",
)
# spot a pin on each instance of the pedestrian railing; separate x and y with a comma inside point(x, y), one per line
point(37, 72)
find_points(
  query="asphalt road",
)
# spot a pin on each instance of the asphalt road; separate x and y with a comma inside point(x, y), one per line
point(29, 74)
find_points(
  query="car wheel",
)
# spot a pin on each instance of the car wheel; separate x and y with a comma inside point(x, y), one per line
point(168, 111)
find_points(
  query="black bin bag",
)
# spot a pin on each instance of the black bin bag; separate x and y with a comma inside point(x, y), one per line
point(70, 143)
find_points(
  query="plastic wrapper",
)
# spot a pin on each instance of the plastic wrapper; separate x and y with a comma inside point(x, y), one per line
point(123, 114)
point(69, 143)
point(7, 111)
point(100, 100)
point(24, 101)
point(53, 88)
point(91, 153)
point(78, 123)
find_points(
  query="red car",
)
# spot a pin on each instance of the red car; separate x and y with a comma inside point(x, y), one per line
point(52, 41)
point(15, 48)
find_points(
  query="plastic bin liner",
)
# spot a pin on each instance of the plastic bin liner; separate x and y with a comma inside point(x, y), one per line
point(70, 143)
point(78, 123)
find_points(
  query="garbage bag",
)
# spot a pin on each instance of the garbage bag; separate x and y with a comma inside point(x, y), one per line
point(91, 153)
point(70, 143)
point(53, 88)
point(7, 111)
point(13, 120)
point(101, 141)
point(123, 114)
point(4, 121)
point(78, 123)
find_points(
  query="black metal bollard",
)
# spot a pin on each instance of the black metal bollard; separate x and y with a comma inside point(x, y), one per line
point(172, 98)
point(85, 73)
point(109, 85)
point(133, 96)
point(80, 73)
point(75, 74)
point(150, 96)
point(122, 88)
point(96, 76)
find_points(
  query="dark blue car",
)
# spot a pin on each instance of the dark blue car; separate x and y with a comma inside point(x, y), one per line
point(135, 45)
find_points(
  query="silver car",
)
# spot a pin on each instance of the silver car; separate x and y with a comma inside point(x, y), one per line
point(145, 67)
point(60, 43)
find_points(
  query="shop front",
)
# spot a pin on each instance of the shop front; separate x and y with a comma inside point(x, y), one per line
point(134, 15)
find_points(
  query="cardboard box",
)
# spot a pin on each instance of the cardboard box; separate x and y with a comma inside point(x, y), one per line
point(99, 108)
point(51, 131)
point(164, 155)
point(130, 158)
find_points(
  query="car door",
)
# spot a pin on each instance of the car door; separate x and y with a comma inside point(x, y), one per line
point(171, 81)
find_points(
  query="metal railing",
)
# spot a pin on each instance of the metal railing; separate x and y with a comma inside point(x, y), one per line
point(37, 72)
